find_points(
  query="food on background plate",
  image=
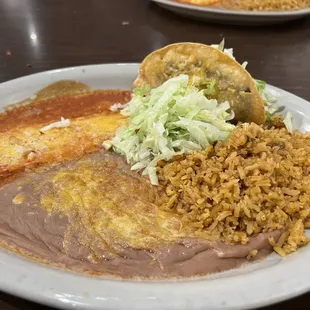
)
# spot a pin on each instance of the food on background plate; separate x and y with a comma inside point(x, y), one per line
point(252, 5)
point(266, 5)
point(171, 186)
point(200, 2)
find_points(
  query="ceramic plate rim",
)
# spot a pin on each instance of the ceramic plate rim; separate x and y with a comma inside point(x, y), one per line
point(59, 288)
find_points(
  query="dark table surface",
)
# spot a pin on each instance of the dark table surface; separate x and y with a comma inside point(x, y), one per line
point(39, 35)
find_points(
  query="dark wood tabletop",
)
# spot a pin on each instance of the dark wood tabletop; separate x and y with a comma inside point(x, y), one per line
point(39, 35)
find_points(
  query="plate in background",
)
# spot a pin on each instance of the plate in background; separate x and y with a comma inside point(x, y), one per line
point(223, 16)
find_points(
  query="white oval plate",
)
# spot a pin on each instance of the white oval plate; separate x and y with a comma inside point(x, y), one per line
point(269, 281)
point(229, 16)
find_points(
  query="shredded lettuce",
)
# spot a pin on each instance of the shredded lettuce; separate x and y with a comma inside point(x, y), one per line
point(269, 96)
point(261, 85)
point(288, 122)
point(244, 64)
point(221, 46)
point(227, 51)
point(210, 90)
point(174, 118)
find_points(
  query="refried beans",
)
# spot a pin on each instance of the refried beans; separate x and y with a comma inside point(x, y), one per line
point(94, 215)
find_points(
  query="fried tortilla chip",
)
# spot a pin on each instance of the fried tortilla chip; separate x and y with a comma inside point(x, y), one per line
point(206, 66)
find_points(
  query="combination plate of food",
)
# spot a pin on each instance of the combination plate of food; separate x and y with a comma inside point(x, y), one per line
point(178, 182)
point(254, 12)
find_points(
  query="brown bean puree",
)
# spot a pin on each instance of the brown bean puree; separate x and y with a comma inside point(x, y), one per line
point(95, 215)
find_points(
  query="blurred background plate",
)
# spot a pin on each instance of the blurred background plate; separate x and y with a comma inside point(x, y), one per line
point(231, 17)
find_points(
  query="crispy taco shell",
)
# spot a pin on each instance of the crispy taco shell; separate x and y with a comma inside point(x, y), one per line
point(204, 65)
